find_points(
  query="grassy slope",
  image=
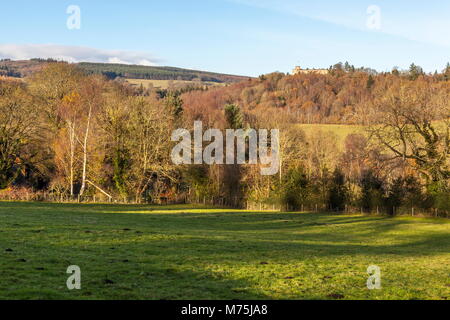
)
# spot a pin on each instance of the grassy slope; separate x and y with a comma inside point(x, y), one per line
point(142, 252)
point(341, 131)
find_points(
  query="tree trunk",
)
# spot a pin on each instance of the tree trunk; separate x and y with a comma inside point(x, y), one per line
point(86, 136)
point(72, 155)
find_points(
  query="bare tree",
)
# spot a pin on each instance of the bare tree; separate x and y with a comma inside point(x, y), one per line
point(92, 98)
point(149, 145)
point(18, 129)
point(411, 121)
point(69, 111)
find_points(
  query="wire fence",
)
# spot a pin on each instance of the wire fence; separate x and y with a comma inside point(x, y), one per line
point(221, 202)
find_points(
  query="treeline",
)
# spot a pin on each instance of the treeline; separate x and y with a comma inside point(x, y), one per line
point(25, 68)
point(112, 71)
point(77, 135)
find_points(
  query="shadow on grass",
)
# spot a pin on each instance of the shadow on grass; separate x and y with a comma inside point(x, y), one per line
point(108, 279)
point(182, 255)
point(285, 236)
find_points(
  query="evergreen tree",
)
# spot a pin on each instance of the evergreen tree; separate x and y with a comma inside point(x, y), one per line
point(372, 191)
point(370, 82)
point(415, 71)
point(395, 196)
point(338, 192)
point(175, 104)
point(232, 179)
point(447, 72)
point(234, 117)
point(295, 189)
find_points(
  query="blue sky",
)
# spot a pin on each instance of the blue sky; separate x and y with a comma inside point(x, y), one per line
point(248, 37)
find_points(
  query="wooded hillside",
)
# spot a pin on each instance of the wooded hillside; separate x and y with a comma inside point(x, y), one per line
point(341, 97)
point(25, 68)
point(81, 135)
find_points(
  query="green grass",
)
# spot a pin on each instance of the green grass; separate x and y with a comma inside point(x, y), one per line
point(144, 252)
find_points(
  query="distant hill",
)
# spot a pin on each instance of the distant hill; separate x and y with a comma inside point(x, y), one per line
point(24, 68)
point(157, 73)
point(20, 68)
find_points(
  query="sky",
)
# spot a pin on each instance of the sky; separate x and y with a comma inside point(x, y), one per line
point(244, 37)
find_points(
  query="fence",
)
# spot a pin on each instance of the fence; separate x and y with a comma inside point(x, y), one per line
point(219, 202)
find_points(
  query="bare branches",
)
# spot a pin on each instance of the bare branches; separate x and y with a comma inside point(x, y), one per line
point(411, 122)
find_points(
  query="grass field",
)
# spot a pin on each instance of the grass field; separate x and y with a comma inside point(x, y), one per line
point(341, 131)
point(145, 252)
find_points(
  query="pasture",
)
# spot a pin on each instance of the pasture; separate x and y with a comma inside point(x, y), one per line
point(189, 252)
point(340, 131)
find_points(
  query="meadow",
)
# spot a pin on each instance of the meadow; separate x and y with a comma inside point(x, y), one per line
point(192, 252)
point(340, 131)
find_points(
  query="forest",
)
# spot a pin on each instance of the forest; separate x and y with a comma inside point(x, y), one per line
point(75, 134)
point(113, 71)
point(25, 68)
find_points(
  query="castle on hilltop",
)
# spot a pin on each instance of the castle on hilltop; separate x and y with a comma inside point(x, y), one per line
point(299, 70)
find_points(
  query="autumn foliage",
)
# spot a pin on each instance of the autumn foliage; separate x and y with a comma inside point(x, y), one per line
point(66, 132)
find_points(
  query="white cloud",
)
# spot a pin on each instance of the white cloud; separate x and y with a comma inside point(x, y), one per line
point(74, 54)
